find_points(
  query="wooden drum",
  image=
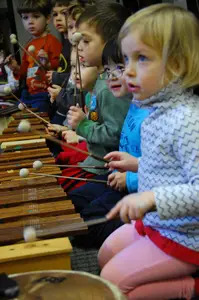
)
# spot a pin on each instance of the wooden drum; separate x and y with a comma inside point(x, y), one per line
point(65, 285)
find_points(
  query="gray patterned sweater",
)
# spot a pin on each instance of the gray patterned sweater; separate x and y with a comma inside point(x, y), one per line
point(169, 165)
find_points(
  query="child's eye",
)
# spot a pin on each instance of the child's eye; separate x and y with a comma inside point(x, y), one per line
point(24, 17)
point(54, 14)
point(120, 67)
point(36, 16)
point(85, 41)
point(142, 58)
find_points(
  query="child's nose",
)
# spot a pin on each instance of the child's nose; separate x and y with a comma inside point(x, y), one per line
point(80, 46)
point(130, 70)
point(30, 20)
point(58, 17)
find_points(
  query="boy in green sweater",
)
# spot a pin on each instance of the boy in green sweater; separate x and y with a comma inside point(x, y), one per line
point(101, 127)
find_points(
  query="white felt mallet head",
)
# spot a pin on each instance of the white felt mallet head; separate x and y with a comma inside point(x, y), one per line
point(37, 165)
point(77, 36)
point(13, 41)
point(29, 234)
point(24, 173)
point(7, 90)
point(24, 126)
point(31, 48)
point(13, 36)
point(21, 106)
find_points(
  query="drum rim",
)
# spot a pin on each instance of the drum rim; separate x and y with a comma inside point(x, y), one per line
point(115, 290)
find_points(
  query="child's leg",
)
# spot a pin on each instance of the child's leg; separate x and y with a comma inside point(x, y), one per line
point(181, 288)
point(142, 263)
point(117, 241)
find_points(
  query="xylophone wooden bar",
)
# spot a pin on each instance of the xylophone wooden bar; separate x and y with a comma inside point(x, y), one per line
point(39, 202)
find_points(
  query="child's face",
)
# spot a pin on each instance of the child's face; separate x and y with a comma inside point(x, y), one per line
point(35, 23)
point(59, 18)
point(115, 80)
point(88, 74)
point(143, 67)
point(71, 28)
point(91, 46)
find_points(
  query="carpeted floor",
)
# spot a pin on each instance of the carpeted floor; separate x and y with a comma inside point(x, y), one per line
point(85, 260)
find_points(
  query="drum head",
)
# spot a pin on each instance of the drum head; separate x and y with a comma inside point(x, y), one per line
point(65, 285)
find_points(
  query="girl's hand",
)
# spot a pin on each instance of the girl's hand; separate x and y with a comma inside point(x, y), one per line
point(122, 161)
point(75, 116)
point(54, 92)
point(117, 181)
point(70, 136)
point(133, 206)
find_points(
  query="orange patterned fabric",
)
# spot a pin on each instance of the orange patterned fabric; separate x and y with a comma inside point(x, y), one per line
point(36, 76)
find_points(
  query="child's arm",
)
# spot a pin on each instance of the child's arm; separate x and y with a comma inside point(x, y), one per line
point(133, 206)
point(117, 181)
point(12, 64)
point(75, 116)
point(19, 72)
point(175, 201)
point(54, 92)
point(122, 161)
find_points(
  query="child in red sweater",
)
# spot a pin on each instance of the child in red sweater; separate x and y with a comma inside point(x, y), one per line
point(35, 16)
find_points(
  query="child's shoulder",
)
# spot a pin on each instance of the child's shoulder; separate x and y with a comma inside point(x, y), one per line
point(100, 86)
point(187, 112)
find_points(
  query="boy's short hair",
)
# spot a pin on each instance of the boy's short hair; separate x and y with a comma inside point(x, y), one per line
point(112, 53)
point(60, 3)
point(29, 6)
point(74, 11)
point(174, 33)
point(69, 2)
point(106, 17)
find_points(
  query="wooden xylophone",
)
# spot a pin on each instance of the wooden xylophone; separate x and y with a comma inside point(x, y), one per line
point(34, 201)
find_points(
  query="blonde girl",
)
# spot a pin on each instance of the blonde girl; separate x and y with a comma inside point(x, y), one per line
point(155, 255)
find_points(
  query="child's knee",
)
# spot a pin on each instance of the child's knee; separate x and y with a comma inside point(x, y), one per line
point(112, 273)
point(104, 255)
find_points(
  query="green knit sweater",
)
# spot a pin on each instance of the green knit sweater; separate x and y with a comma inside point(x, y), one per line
point(103, 126)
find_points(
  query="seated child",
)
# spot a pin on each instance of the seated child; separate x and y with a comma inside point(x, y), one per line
point(62, 95)
point(94, 200)
point(59, 17)
point(101, 127)
point(156, 253)
point(35, 16)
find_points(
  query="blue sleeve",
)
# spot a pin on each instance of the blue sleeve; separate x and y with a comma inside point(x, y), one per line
point(131, 181)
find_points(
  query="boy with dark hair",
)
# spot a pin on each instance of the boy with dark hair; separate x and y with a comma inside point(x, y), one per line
point(102, 126)
point(62, 94)
point(35, 16)
point(59, 17)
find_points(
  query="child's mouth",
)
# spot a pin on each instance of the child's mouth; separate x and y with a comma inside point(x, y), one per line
point(133, 88)
point(116, 87)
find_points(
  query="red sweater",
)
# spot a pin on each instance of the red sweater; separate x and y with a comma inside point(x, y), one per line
point(36, 76)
